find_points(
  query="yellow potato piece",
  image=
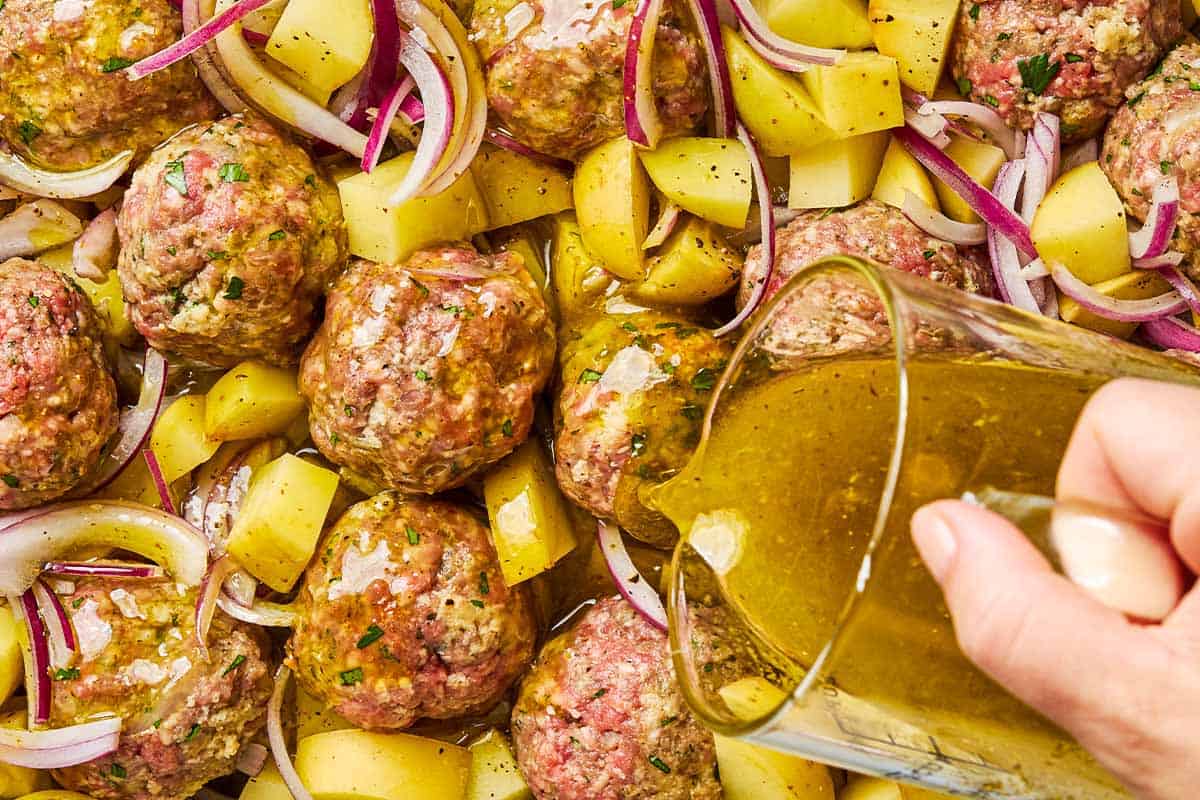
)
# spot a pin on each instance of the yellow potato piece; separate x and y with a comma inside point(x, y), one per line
point(266, 785)
point(106, 297)
point(1081, 225)
point(750, 772)
point(902, 173)
point(134, 484)
point(54, 794)
point(494, 771)
point(820, 23)
point(313, 717)
point(859, 94)
point(531, 525)
point(358, 765)
point(281, 519)
point(980, 160)
point(711, 178)
point(522, 243)
point(772, 104)
point(695, 265)
point(917, 34)
point(517, 189)
point(178, 439)
point(838, 173)
point(390, 234)
point(325, 49)
point(863, 787)
point(23, 781)
point(12, 668)
point(252, 400)
point(612, 202)
point(1136, 285)
point(578, 274)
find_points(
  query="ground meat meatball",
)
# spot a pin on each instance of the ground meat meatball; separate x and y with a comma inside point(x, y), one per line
point(634, 390)
point(58, 402)
point(404, 615)
point(424, 373)
point(1073, 58)
point(601, 717)
point(1159, 135)
point(185, 716)
point(556, 81)
point(229, 235)
point(66, 103)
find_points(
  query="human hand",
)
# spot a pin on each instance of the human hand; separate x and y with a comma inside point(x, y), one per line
point(1128, 692)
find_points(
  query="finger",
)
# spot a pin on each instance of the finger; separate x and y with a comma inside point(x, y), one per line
point(1136, 447)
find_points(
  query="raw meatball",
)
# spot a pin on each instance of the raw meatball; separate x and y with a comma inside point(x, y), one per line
point(404, 615)
point(66, 103)
point(424, 373)
point(554, 70)
point(1073, 58)
point(634, 391)
point(601, 717)
point(58, 402)
point(229, 235)
point(1159, 135)
point(185, 716)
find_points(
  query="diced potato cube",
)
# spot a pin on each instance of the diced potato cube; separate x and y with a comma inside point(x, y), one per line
point(22, 781)
point(179, 441)
point(359, 765)
point(612, 202)
point(917, 34)
point(266, 785)
point(12, 668)
point(1136, 285)
point(863, 787)
point(820, 23)
point(106, 297)
point(749, 772)
point(325, 49)
point(772, 104)
point(522, 243)
point(980, 160)
point(252, 400)
point(134, 484)
point(494, 771)
point(1081, 225)
point(389, 235)
point(901, 173)
point(313, 716)
point(531, 526)
point(281, 519)
point(517, 189)
point(579, 275)
point(711, 178)
point(859, 94)
point(838, 173)
point(695, 265)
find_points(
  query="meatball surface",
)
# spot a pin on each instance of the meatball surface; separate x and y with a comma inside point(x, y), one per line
point(634, 390)
point(1073, 58)
point(424, 373)
point(58, 401)
point(1159, 135)
point(556, 79)
point(67, 104)
point(229, 235)
point(600, 716)
point(185, 716)
point(404, 615)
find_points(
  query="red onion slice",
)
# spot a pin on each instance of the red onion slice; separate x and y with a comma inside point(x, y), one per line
point(439, 119)
point(37, 654)
point(60, 747)
point(987, 119)
point(981, 201)
point(933, 127)
point(642, 124)
point(411, 110)
point(160, 483)
point(255, 38)
point(630, 583)
point(1035, 270)
point(251, 759)
point(383, 65)
point(59, 634)
point(501, 139)
point(766, 221)
point(283, 759)
point(708, 23)
point(1172, 258)
point(388, 109)
point(1041, 162)
point(1180, 282)
point(195, 40)
point(95, 252)
point(206, 598)
point(1172, 334)
point(260, 612)
point(1164, 305)
point(1155, 236)
point(1006, 261)
point(210, 75)
point(105, 569)
point(18, 175)
point(36, 226)
point(758, 32)
point(939, 225)
point(668, 216)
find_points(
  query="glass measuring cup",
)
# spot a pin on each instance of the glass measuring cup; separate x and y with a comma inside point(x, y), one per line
point(802, 617)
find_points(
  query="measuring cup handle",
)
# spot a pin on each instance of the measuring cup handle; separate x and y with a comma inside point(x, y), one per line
point(1124, 560)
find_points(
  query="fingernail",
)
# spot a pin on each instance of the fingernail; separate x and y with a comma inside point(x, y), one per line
point(935, 541)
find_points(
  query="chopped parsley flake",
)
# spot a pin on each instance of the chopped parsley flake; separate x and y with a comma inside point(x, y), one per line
point(374, 634)
point(692, 411)
point(413, 536)
point(618, 3)
point(1073, 58)
point(657, 762)
point(704, 379)
point(507, 428)
point(422, 375)
point(477, 603)
point(929, 254)
point(964, 86)
point(991, 101)
point(277, 235)
point(175, 177)
point(172, 249)
point(589, 376)
point(234, 290)
point(28, 132)
point(238, 660)
point(191, 734)
point(1038, 72)
point(117, 771)
point(350, 677)
point(232, 172)
point(66, 674)
point(1165, 166)
point(484, 587)
point(629, 326)
point(637, 445)
point(311, 181)
point(11, 481)
point(217, 255)
point(34, 300)
point(115, 63)
point(974, 12)
point(599, 693)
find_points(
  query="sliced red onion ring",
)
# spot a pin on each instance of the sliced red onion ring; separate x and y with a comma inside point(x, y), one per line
point(463, 272)
point(766, 221)
point(59, 634)
point(1035, 270)
point(383, 121)
point(642, 124)
point(255, 38)
point(412, 110)
point(501, 139)
point(986, 118)
point(37, 655)
point(708, 23)
point(1041, 162)
point(60, 747)
point(26, 546)
point(210, 75)
point(758, 32)
point(1180, 282)
point(752, 234)
point(283, 759)
point(668, 216)
point(95, 251)
point(36, 226)
point(105, 569)
point(160, 483)
point(1155, 236)
point(134, 427)
point(1172, 334)
point(1171, 258)
point(206, 598)
point(1083, 153)
point(439, 120)
point(22, 177)
point(630, 583)
point(260, 612)
point(983, 202)
point(939, 225)
point(241, 587)
point(1164, 305)
point(195, 40)
point(368, 88)
point(933, 127)
point(1006, 261)
point(251, 759)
